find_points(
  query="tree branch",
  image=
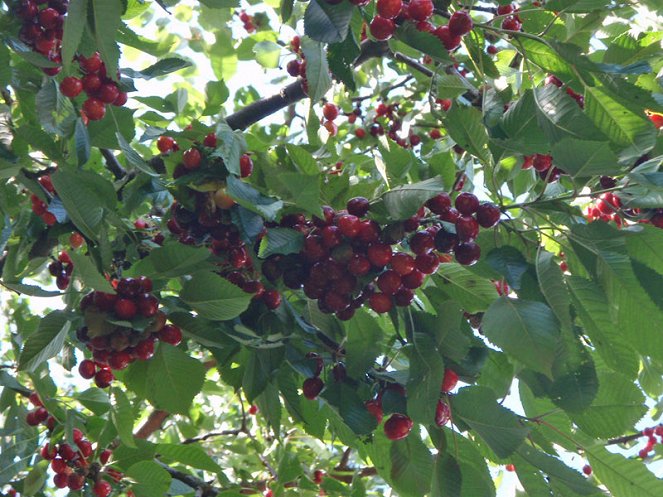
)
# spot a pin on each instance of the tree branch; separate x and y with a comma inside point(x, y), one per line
point(213, 434)
point(113, 164)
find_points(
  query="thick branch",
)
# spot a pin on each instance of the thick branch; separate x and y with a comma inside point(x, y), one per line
point(112, 164)
point(213, 434)
point(152, 424)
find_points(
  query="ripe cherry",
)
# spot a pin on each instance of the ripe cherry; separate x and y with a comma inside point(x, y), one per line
point(71, 86)
point(171, 334)
point(503, 10)
point(75, 481)
point(587, 469)
point(90, 64)
point(103, 378)
point(450, 380)
point(427, 263)
point(125, 309)
point(49, 18)
point(402, 263)
point(312, 387)
point(60, 480)
point(87, 369)
point(48, 452)
point(119, 360)
point(191, 158)
point(165, 144)
point(121, 99)
point(102, 488)
point(422, 242)
point(379, 254)
point(445, 103)
point(420, 10)
point(210, 140)
point(293, 68)
point(448, 40)
point(94, 109)
point(105, 456)
point(442, 413)
point(85, 448)
point(460, 23)
point(245, 166)
point(66, 452)
point(467, 203)
point(439, 204)
point(360, 133)
point(349, 225)
point(374, 407)
point(330, 111)
point(413, 280)
point(435, 134)
point(389, 282)
point(467, 253)
point(467, 228)
point(488, 215)
point(108, 93)
point(381, 28)
point(91, 83)
point(358, 206)
point(27, 9)
point(511, 23)
point(380, 302)
point(398, 426)
point(59, 466)
point(331, 127)
point(389, 9)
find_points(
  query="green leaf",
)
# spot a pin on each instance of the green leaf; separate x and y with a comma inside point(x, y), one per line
point(317, 70)
point(82, 142)
point(175, 259)
point(189, 455)
point(510, 263)
point(56, 113)
point(422, 41)
point(84, 195)
point(624, 477)
point(551, 283)
point(403, 201)
point(411, 467)
point(303, 159)
point(363, 343)
point(327, 23)
point(473, 293)
point(618, 405)
point(447, 477)
point(250, 198)
point(267, 54)
point(123, 417)
point(633, 133)
point(476, 478)
point(280, 241)
point(160, 68)
point(425, 378)
point(88, 273)
point(103, 133)
point(304, 190)
point(496, 425)
point(465, 126)
point(345, 401)
point(645, 246)
point(27, 54)
point(526, 330)
point(341, 57)
point(133, 158)
point(46, 342)
point(173, 379)
point(214, 297)
point(35, 479)
point(582, 158)
point(216, 93)
point(32, 290)
point(151, 479)
point(74, 25)
point(95, 399)
point(451, 85)
point(107, 20)
point(520, 124)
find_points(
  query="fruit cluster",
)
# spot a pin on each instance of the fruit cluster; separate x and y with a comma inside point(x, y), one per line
point(100, 89)
point(122, 327)
point(606, 208)
point(39, 207)
point(651, 434)
point(543, 164)
point(247, 20)
point(551, 79)
point(61, 269)
point(297, 67)
point(348, 259)
point(42, 28)
point(73, 467)
point(510, 18)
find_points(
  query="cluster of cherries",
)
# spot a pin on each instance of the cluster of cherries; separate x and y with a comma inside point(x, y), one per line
point(606, 208)
point(551, 79)
point(118, 344)
point(651, 434)
point(42, 28)
point(511, 20)
point(543, 164)
point(348, 259)
point(73, 466)
point(61, 269)
point(100, 89)
point(39, 207)
point(247, 20)
point(297, 67)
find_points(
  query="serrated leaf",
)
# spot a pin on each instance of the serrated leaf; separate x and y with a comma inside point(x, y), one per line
point(173, 379)
point(510, 263)
point(32, 290)
point(345, 401)
point(280, 241)
point(624, 477)
point(447, 477)
point(95, 399)
point(122, 417)
point(82, 142)
point(423, 41)
point(267, 54)
point(403, 201)
point(88, 273)
point(214, 297)
point(496, 425)
point(326, 22)
point(74, 26)
point(159, 68)
point(475, 294)
point(425, 378)
point(341, 57)
point(583, 158)
point(175, 259)
point(56, 112)
point(189, 455)
point(465, 126)
point(46, 342)
point(151, 479)
point(216, 93)
point(552, 286)
point(133, 158)
point(526, 330)
point(107, 20)
point(250, 198)
point(451, 85)
point(363, 343)
point(317, 70)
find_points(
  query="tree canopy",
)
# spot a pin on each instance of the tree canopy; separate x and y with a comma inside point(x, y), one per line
point(391, 247)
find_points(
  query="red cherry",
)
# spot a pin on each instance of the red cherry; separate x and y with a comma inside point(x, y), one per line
point(293, 68)
point(450, 380)
point(542, 162)
point(360, 133)
point(60, 480)
point(35, 400)
point(448, 40)
point(210, 140)
point(435, 134)
point(460, 23)
point(48, 452)
point(389, 282)
point(381, 28)
point(102, 488)
point(422, 242)
point(467, 203)
point(272, 299)
point(191, 158)
point(312, 387)
point(488, 215)
point(503, 10)
point(121, 99)
point(389, 9)
point(380, 302)
point(27, 9)
point(91, 64)
point(467, 253)
point(94, 109)
point(420, 10)
point(108, 93)
point(67, 453)
point(375, 408)
point(119, 360)
point(77, 435)
point(165, 144)
point(59, 466)
point(171, 334)
point(467, 228)
point(427, 263)
point(31, 419)
point(253, 410)
point(359, 265)
point(76, 240)
point(330, 111)
point(439, 204)
point(103, 378)
point(105, 456)
point(245, 166)
point(587, 469)
point(511, 23)
point(41, 414)
point(413, 280)
point(71, 87)
point(91, 83)
point(445, 103)
point(442, 413)
point(125, 309)
point(76, 481)
point(398, 426)
point(379, 254)
point(402, 263)
point(358, 206)
point(349, 225)
point(491, 50)
point(87, 369)
point(48, 18)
